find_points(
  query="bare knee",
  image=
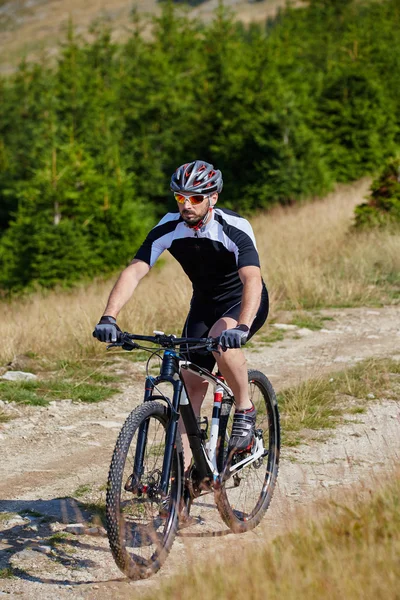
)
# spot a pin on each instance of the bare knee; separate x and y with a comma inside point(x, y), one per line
point(196, 389)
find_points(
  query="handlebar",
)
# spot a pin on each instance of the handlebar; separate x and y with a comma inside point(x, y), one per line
point(128, 341)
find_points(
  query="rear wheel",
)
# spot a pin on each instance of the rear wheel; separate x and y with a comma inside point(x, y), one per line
point(141, 524)
point(243, 498)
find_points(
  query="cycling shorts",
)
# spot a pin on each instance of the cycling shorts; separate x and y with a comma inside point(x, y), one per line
point(202, 316)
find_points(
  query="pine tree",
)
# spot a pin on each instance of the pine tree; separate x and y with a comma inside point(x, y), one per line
point(383, 205)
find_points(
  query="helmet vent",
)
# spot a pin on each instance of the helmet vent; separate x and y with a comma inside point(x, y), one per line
point(198, 176)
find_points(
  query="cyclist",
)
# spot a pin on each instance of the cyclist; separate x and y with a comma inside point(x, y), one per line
point(217, 250)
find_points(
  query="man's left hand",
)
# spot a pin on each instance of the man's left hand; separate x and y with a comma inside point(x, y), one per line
point(234, 338)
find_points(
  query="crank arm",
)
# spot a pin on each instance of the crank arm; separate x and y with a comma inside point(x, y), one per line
point(258, 453)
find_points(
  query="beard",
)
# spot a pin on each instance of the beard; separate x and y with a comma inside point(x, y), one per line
point(192, 219)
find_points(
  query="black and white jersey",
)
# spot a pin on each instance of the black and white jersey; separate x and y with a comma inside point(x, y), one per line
point(210, 256)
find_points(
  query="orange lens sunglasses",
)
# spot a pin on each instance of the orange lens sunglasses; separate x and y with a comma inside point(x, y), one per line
point(194, 199)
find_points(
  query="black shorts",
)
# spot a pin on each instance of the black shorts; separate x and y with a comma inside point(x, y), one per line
point(203, 315)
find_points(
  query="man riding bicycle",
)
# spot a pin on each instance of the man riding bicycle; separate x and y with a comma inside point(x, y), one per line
point(216, 248)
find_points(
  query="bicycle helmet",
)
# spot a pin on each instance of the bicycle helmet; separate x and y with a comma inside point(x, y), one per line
point(197, 177)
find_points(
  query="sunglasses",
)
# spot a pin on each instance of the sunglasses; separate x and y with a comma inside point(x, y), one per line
point(194, 199)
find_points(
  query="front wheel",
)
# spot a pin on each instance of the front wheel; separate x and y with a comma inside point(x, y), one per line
point(141, 523)
point(243, 498)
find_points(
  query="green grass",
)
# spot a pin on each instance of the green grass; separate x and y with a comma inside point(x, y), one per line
point(136, 355)
point(82, 490)
point(4, 418)
point(7, 573)
point(271, 336)
point(309, 321)
point(356, 410)
point(87, 370)
point(320, 403)
point(97, 508)
point(310, 405)
point(31, 513)
point(57, 538)
point(40, 393)
point(79, 380)
point(6, 516)
point(104, 378)
point(60, 541)
point(140, 355)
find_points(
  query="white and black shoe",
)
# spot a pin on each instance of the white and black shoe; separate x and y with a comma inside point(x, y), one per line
point(243, 429)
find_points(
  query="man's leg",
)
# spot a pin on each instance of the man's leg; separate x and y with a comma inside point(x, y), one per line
point(232, 365)
point(196, 389)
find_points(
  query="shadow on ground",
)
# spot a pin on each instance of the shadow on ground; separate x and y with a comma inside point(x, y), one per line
point(27, 532)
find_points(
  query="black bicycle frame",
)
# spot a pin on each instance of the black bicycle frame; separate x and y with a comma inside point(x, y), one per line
point(170, 373)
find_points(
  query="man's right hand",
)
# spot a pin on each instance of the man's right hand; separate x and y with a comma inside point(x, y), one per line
point(106, 329)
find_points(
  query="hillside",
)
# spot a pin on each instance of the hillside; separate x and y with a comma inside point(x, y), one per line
point(33, 27)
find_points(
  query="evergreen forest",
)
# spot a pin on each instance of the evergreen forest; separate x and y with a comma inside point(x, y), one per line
point(285, 109)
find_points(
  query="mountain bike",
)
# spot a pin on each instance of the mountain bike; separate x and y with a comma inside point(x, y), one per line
point(148, 488)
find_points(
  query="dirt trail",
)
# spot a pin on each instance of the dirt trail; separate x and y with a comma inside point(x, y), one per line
point(47, 453)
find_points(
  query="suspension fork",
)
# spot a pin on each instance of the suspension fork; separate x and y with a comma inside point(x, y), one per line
point(169, 373)
point(142, 438)
point(171, 437)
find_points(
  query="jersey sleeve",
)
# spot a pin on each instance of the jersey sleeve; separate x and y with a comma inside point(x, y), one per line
point(241, 239)
point(158, 239)
point(247, 255)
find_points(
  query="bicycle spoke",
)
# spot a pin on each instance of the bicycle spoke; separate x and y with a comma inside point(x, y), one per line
point(246, 494)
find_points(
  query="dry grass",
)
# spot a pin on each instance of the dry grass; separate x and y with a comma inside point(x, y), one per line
point(320, 402)
point(59, 324)
point(351, 550)
point(309, 259)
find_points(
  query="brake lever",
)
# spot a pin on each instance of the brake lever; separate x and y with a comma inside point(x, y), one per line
point(212, 346)
point(115, 344)
point(130, 345)
point(125, 345)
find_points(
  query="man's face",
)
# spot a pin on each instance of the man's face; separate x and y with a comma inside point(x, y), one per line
point(194, 213)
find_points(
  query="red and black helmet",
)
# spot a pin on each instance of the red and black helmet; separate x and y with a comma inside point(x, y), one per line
point(197, 177)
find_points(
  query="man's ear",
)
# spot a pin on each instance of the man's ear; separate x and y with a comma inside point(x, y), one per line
point(214, 199)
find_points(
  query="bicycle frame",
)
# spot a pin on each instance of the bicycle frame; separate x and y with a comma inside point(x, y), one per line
point(204, 456)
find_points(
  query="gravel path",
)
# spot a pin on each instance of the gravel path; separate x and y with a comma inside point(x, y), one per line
point(48, 453)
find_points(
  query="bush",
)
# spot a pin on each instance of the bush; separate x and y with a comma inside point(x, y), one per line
point(383, 206)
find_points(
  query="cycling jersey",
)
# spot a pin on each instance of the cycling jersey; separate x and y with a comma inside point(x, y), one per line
point(210, 256)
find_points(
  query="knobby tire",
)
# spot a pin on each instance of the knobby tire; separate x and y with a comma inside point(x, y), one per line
point(141, 529)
